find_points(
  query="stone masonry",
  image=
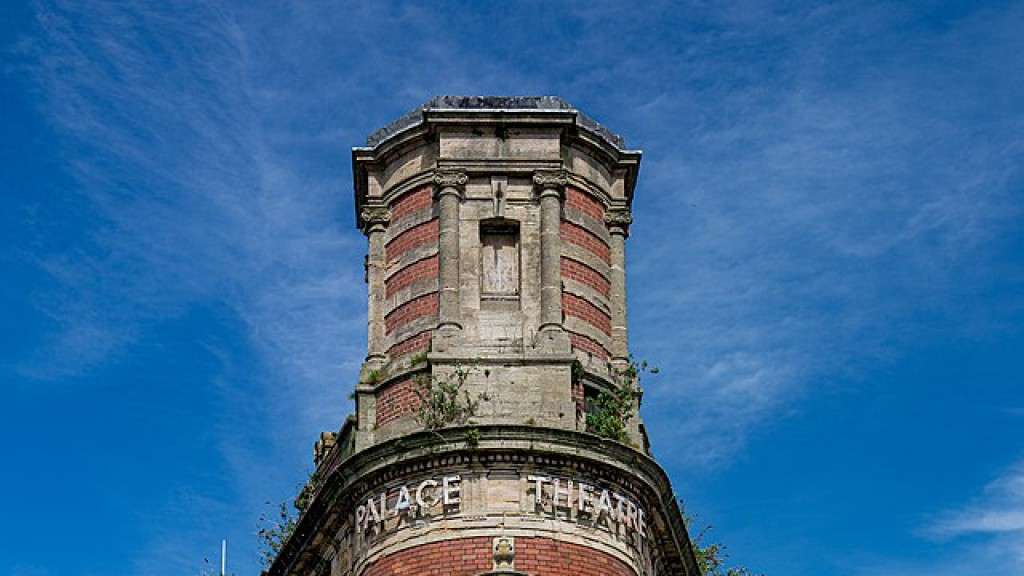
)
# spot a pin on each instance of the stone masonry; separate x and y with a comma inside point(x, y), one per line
point(496, 231)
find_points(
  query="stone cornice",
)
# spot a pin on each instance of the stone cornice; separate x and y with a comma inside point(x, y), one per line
point(422, 131)
point(340, 477)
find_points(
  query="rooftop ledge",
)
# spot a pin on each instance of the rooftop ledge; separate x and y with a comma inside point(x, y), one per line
point(492, 105)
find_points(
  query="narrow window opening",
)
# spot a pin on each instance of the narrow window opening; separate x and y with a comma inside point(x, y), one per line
point(499, 260)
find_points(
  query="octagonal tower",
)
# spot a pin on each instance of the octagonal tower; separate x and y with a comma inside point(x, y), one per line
point(496, 231)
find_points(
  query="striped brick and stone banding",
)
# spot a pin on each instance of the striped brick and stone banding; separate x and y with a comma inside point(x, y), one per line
point(588, 346)
point(585, 203)
point(584, 274)
point(413, 202)
point(586, 268)
point(418, 236)
point(422, 307)
point(417, 343)
point(411, 279)
point(579, 236)
point(496, 242)
point(582, 309)
point(418, 271)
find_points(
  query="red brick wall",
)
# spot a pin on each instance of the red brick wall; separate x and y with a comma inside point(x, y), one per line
point(584, 203)
point(585, 275)
point(412, 201)
point(579, 398)
point(426, 233)
point(465, 557)
point(581, 342)
point(425, 305)
point(471, 556)
point(582, 237)
point(426, 268)
point(397, 400)
point(544, 557)
point(417, 343)
point(580, 308)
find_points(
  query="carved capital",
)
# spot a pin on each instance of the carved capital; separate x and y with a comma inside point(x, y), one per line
point(450, 179)
point(550, 180)
point(618, 220)
point(375, 216)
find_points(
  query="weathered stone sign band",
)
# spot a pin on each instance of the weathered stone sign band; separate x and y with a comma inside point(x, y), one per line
point(590, 500)
point(425, 496)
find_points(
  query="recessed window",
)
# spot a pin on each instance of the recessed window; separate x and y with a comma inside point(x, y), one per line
point(499, 260)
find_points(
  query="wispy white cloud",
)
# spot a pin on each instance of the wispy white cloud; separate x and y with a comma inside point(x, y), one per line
point(194, 202)
point(808, 188)
point(983, 536)
point(999, 510)
point(796, 221)
point(208, 143)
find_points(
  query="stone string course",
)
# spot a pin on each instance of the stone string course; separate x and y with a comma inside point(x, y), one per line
point(420, 270)
point(585, 203)
point(579, 308)
point(417, 343)
point(582, 273)
point(423, 234)
point(423, 306)
point(582, 237)
point(411, 202)
point(588, 345)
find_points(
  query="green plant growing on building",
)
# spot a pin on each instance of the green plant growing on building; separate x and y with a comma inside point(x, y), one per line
point(374, 377)
point(576, 371)
point(418, 358)
point(611, 411)
point(275, 529)
point(444, 401)
point(711, 556)
point(472, 437)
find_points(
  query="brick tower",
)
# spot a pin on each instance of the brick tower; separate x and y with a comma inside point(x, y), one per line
point(496, 233)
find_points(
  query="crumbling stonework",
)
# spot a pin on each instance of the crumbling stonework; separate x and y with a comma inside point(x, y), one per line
point(496, 233)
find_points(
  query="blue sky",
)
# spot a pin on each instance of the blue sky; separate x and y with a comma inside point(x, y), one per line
point(827, 262)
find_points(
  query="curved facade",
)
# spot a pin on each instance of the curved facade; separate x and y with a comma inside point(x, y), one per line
point(496, 233)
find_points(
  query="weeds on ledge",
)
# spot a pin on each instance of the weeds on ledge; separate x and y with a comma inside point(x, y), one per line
point(612, 410)
point(444, 401)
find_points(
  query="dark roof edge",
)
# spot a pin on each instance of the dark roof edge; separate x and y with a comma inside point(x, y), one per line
point(492, 103)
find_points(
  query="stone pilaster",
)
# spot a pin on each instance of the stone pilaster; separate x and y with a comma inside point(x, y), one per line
point(618, 221)
point(449, 188)
point(551, 334)
point(375, 222)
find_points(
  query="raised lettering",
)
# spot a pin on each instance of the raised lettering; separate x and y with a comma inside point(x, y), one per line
point(360, 517)
point(450, 485)
point(404, 501)
point(619, 511)
point(538, 485)
point(583, 497)
point(557, 492)
point(604, 505)
point(419, 495)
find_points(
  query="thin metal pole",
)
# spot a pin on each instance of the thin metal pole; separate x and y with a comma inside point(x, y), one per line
point(223, 556)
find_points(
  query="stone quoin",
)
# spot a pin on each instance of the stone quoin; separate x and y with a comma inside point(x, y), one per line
point(496, 230)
